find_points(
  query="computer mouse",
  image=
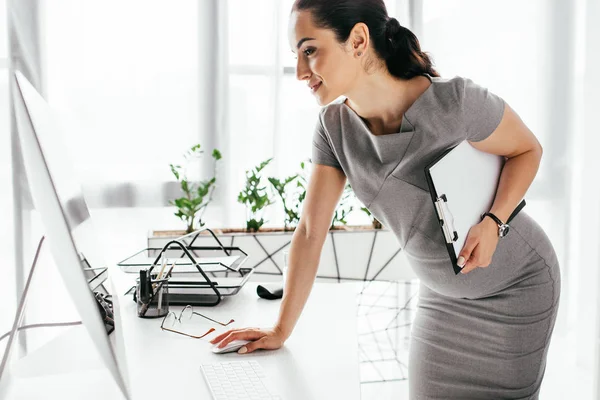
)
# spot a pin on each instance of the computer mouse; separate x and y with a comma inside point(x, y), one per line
point(234, 345)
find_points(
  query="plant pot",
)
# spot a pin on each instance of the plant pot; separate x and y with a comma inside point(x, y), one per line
point(350, 253)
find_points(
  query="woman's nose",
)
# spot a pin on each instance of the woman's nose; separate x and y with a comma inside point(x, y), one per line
point(302, 71)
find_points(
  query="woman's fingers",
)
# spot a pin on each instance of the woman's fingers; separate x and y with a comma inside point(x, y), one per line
point(268, 339)
point(250, 334)
point(221, 336)
point(268, 342)
point(225, 334)
point(259, 344)
point(469, 266)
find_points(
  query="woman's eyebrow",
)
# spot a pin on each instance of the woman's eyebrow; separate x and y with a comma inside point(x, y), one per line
point(302, 41)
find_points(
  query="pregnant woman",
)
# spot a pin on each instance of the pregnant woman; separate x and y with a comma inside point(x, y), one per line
point(480, 334)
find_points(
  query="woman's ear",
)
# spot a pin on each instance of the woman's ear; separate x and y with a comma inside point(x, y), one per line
point(359, 38)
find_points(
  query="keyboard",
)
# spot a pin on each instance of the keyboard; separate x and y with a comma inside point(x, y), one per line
point(238, 380)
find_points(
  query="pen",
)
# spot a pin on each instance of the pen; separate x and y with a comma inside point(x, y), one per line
point(164, 264)
point(159, 288)
point(168, 274)
point(160, 292)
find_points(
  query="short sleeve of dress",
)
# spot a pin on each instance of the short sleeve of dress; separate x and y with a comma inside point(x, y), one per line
point(481, 110)
point(322, 149)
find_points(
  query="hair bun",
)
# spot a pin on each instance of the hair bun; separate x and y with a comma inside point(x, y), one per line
point(392, 27)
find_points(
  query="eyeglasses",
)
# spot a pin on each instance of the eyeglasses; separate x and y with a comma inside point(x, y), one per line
point(186, 314)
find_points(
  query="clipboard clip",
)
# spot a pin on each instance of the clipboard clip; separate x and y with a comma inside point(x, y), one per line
point(445, 218)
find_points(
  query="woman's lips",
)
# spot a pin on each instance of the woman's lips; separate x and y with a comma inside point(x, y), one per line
point(316, 87)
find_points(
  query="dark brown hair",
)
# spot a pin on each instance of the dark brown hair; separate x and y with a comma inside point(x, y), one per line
point(393, 43)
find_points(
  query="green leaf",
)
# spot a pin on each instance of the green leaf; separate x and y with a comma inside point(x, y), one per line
point(291, 178)
point(174, 171)
point(179, 202)
point(195, 147)
point(264, 164)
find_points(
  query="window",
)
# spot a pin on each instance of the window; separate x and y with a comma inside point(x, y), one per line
point(128, 79)
point(473, 39)
point(277, 116)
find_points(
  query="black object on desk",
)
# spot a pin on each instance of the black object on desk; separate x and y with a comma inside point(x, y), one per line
point(144, 286)
point(270, 291)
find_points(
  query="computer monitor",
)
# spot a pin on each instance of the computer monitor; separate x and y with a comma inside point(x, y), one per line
point(58, 198)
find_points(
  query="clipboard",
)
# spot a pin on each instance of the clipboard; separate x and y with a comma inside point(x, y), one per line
point(462, 183)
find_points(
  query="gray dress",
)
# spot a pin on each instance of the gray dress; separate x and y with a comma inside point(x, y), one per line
point(481, 335)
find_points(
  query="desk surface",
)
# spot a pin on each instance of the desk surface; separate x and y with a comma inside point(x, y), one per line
point(319, 360)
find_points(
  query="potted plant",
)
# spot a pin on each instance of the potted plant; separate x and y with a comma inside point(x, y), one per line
point(255, 198)
point(301, 186)
point(349, 252)
point(280, 189)
point(197, 195)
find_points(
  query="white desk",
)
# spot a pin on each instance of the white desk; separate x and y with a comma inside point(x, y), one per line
point(319, 360)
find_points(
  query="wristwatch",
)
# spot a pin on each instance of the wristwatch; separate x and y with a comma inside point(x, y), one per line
point(502, 227)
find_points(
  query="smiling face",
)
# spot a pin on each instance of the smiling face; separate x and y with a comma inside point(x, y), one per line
point(328, 67)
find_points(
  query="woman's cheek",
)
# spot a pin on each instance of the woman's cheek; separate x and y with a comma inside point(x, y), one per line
point(316, 65)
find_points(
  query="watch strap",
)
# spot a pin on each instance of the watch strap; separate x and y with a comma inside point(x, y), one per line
point(492, 216)
point(516, 211)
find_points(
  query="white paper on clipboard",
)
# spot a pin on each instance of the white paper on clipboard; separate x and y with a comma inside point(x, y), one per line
point(468, 178)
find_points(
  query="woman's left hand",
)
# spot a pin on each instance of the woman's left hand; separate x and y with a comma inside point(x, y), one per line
point(480, 245)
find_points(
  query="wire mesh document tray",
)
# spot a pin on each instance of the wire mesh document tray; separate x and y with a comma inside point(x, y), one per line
point(201, 275)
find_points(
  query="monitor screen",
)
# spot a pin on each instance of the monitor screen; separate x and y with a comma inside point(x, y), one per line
point(58, 198)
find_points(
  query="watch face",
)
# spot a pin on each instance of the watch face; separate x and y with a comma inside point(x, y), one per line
point(504, 230)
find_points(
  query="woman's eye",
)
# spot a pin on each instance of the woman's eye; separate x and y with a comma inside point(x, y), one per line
point(308, 51)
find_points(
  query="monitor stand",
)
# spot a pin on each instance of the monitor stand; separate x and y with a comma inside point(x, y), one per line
point(51, 356)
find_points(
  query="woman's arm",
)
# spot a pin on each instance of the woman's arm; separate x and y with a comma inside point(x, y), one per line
point(324, 191)
point(322, 196)
point(513, 140)
point(305, 253)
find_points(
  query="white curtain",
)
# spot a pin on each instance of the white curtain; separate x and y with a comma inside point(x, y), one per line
point(8, 295)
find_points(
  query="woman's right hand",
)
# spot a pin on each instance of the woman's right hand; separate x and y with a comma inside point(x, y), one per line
point(268, 339)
